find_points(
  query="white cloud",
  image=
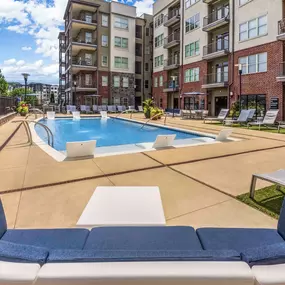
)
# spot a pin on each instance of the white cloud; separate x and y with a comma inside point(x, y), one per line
point(144, 6)
point(26, 48)
point(10, 61)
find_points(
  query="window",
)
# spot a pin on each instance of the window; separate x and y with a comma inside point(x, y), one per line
point(88, 37)
point(161, 80)
point(147, 50)
point(138, 85)
point(146, 66)
point(104, 81)
point(192, 49)
point(88, 18)
point(189, 3)
point(104, 60)
point(242, 2)
point(192, 75)
point(158, 41)
point(88, 79)
point(121, 23)
point(254, 63)
point(253, 28)
point(121, 42)
point(192, 23)
point(116, 81)
point(125, 82)
point(138, 67)
point(138, 31)
point(155, 84)
point(158, 21)
point(105, 20)
point(88, 58)
point(146, 84)
point(138, 49)
point(104, 41)
point(147, 32)
point(158, 61)
point(121, 62)
point(257, 102)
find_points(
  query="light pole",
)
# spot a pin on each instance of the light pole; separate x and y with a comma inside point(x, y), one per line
point(240, 74)
point(173, 78)
point(25, 75)
point(74, 95)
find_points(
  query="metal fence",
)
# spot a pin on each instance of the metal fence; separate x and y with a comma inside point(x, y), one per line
point(6, 103)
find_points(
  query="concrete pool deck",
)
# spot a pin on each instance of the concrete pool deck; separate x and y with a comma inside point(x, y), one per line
point(198, 184)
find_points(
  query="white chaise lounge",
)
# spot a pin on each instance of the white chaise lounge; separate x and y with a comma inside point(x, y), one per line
point(164, 141)
point(80, 149)
point(50, 115)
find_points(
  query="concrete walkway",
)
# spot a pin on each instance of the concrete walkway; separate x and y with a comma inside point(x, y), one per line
point(198, 184)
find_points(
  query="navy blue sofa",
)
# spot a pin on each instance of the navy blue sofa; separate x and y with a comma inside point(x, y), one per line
point(119, 244)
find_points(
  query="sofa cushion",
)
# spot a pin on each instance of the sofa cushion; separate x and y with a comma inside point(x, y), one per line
point(281, 221)
point(265, 255)
point(56, 256)
point(143, 238)
point(237, 239)
point(49, 238)
point(3, 223)
point(13, 252)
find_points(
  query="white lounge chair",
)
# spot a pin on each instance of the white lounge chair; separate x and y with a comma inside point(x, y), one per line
point(95, 108)
point(100, 109)
point(185, 114)
point(251, 114)
point(104, 114)
point(72, 108)
point(110, 108)
point(277, 177)
point(50, 115)
point(268, 121)
point(221, 117)
point(88, 108)
point(104, 108)
point(242, 119)
point(76, 115)
point(140, 108)
point(164, 141)
point(80, 149)
point(83, 108)
point(224, 135)
point(120, 109)
point(124, 108)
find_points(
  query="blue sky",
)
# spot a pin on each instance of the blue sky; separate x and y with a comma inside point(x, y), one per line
point(29, 31)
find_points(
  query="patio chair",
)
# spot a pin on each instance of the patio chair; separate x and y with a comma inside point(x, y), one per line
point(50, 115)
point(80, 149)
point(104, 114)
point(140, 109)
point(114, 107)
point(185, 114)
point(99, 108)
point(120, 109)
point(277, 177)
point(221, 117)
point(83, 108)
point(95, 108)
point(242, 119)
point(224, 135)
point(72, 108)
point(104, 108)
point(251, 114)
point(124, 108)
point(110, 108)
point(164, 141)
point(76, 115)
point(205, 113)
point(268, 121)
point(281, 126)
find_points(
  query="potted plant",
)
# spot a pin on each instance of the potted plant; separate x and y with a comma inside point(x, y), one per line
point(156, 113)
point(23, 109)
point(147, 106)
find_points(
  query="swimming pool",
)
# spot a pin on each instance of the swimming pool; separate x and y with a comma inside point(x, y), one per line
point(108, 133)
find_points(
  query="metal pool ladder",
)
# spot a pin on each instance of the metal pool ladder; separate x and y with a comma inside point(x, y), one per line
point(165, 116)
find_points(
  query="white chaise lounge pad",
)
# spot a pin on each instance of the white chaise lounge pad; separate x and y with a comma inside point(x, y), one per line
point(146, 273)
point(18, 273)
point(269, 274)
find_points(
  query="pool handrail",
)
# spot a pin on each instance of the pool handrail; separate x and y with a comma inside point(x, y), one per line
point(156, 115)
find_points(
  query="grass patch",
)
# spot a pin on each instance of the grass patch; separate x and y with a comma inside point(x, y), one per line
point(267, 200)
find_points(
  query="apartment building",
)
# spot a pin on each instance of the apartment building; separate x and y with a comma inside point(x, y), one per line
point(202, 46)
point(103, 53)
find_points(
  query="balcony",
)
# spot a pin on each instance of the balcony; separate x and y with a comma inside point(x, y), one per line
point(172, 63)
point(281, 73)
point(216, 49)
point(85, 20)
point(83, 43)
point(281, 30)
point(170, 86)
point(79, 64)
point(172, 40)
point(82, 86)
point(216, 80)
point(62, 47)
point(172, 18)
point(216, 19)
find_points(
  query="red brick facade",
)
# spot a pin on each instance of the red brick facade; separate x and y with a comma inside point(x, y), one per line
point(104, 91)
point(263, 83)
point(159, 97)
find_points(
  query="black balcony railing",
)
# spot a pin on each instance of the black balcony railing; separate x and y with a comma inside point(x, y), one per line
point(86, 85)
point(221, 45)
point(171, 85)
point(281, 27)
point(215, 78)
point(173, 13)
point(172, 61)
point(282, 69)
point(171, 38)
point(218, 14)
point(83, 62)
point(89, 41)
point(85, 19)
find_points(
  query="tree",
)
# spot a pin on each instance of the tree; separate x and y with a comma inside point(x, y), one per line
point(3, 85)
point(19, 92)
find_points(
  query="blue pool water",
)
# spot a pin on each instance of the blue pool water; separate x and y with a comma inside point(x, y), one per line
point(107, 132)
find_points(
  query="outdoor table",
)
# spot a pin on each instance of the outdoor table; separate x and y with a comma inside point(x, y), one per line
point(123, 206)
